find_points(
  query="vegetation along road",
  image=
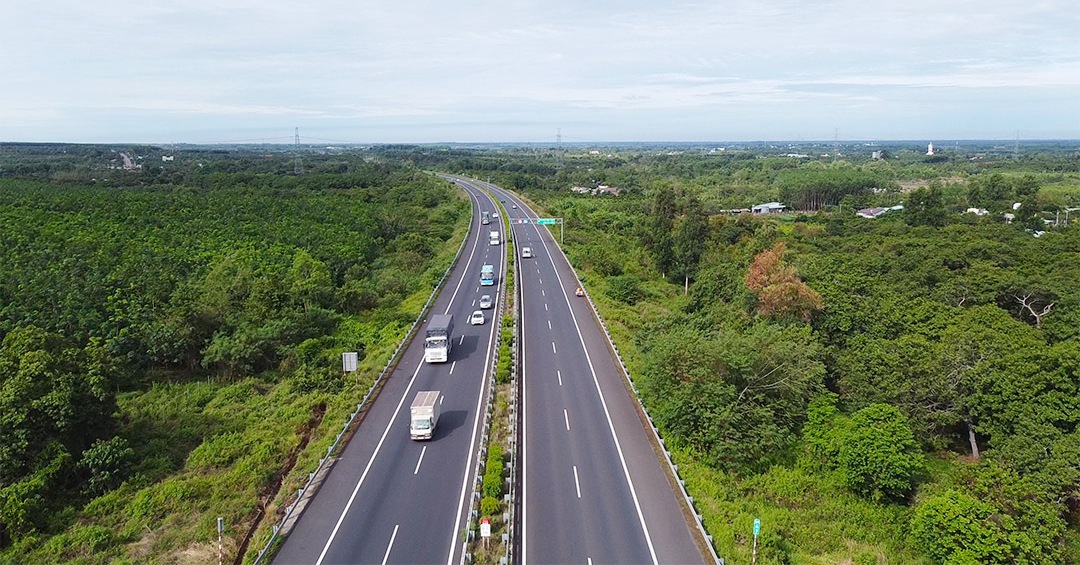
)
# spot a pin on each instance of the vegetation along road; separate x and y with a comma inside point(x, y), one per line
point(883, 368)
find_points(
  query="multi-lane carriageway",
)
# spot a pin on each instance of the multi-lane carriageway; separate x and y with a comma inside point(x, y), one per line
point(591, 486)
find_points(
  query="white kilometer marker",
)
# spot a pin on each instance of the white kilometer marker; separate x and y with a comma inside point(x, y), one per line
point(559, 373)
point(454, 364)
point(553, 348)
point(565, 415)
point(577, 486)
point(418, 461)
point(392, 536)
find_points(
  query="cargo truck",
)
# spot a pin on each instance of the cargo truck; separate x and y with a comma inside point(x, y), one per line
point(439, 338)
point(424, 414)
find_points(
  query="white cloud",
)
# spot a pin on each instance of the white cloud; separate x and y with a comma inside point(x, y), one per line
point(631, 66)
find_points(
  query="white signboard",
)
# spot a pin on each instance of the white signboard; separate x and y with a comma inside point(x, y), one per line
point(349, 361)
point(485, 528)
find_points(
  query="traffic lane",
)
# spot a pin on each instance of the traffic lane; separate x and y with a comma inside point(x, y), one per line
point(675, 538)
point(320, 516)
point(567, 417)
point(389, 464)
point(460, 381)
point(406, 492)
point(605, 518)
point(666, 516)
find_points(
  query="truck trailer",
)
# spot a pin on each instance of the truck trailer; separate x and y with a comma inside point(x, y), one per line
point(439, 338)
point(424, 414)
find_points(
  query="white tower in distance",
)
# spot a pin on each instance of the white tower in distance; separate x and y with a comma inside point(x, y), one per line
point(930, 149)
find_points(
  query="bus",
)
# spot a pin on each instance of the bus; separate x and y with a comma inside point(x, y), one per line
point(487, 275)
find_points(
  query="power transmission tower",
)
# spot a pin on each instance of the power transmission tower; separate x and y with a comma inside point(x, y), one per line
point(558, 148)
point(299, 167)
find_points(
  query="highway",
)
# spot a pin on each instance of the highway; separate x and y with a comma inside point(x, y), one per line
point(388, 499)
point(593, 489)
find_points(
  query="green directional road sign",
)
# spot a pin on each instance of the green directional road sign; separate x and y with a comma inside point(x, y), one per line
point(546, 221)
point(757, 527)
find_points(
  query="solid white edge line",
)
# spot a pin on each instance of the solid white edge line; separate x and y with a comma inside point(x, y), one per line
point(461, 509)
point(386, 556)
point(421, 459)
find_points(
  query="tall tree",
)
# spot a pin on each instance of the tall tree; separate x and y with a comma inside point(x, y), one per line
point(691, 231)
point(925, 207)
point(780, 292)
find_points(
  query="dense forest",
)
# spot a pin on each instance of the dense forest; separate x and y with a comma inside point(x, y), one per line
point(898, 389)
point(171, 335)
point(895, 389)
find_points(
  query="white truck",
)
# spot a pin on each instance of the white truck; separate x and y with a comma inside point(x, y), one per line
point(424, 414)
point(493, 238)
point(439, 338)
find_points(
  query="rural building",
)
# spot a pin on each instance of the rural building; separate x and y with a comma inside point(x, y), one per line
point(769, 208)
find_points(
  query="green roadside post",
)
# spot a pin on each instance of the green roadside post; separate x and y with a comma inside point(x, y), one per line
point(757, 530)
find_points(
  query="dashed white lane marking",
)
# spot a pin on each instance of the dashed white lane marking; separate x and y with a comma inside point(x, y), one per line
point(386, 557)
point(418, 461)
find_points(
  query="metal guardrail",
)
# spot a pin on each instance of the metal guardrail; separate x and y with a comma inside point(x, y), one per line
point(367, 397)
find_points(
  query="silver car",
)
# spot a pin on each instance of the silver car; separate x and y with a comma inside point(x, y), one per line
point(486, 302)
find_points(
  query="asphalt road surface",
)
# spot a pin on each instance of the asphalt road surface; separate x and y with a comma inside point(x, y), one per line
point(593, 488)
point(389, 499)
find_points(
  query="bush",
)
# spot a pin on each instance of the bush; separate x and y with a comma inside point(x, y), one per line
point(954, 528)
point(489, 506)
point(493, 472)
point(624, 288)
point(109, 463)
point(879, 457)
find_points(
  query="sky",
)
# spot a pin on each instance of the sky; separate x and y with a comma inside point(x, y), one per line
point(472, 71)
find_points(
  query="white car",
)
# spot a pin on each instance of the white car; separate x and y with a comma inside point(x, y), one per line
point(526, 252)
point(515, 206)
point(485, 302)
point(477, 318)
